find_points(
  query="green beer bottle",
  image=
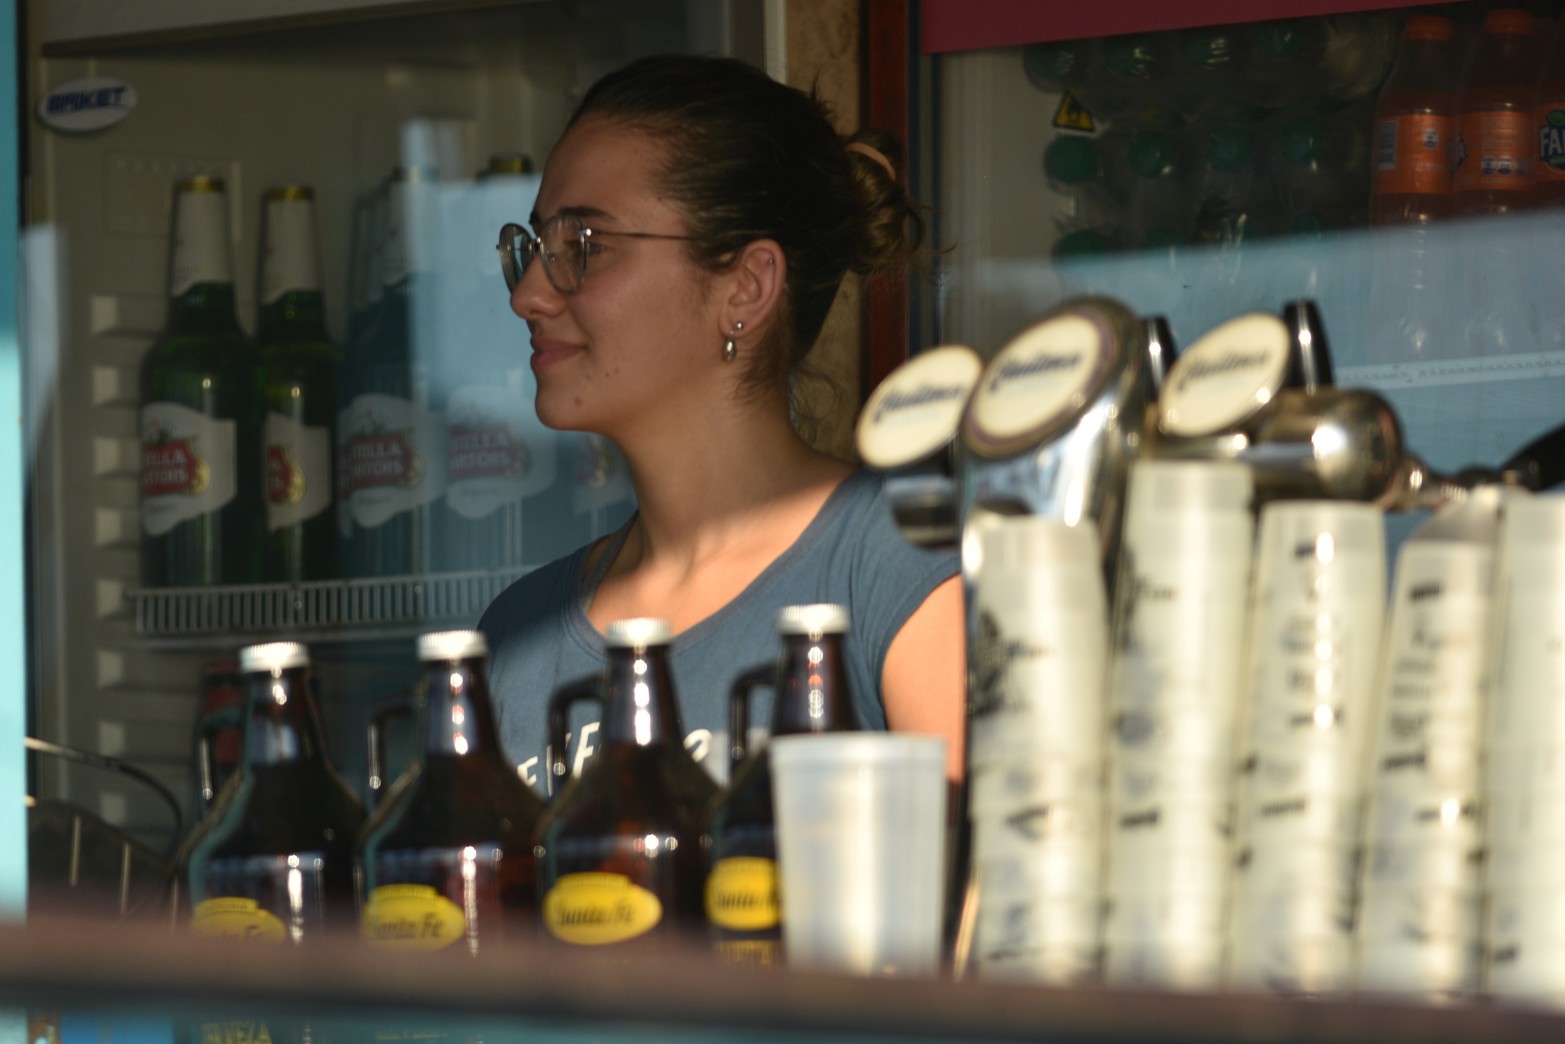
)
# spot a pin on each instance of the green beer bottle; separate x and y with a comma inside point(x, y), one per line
point(200, 413)
point(299, 365)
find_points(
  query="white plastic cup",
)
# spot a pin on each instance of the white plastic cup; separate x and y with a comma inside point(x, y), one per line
point(861, 825)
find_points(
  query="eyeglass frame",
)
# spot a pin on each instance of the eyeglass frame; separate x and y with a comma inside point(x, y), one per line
point(513, 267)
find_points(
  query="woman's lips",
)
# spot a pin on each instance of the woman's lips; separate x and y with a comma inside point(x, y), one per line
point(546, 353)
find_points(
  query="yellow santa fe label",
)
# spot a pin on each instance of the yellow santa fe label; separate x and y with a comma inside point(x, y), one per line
point(597, 909)
point(411, 917)
point(235, 918)
point(741, 894)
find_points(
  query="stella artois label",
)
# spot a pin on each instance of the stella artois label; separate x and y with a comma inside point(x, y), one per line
point(490, 460)
point(298, 471)
point(396, 458)
point(187, 465)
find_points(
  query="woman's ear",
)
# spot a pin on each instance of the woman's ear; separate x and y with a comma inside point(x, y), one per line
point(757, 280)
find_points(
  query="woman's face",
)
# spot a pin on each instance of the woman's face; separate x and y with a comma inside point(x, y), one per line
point(640, 337)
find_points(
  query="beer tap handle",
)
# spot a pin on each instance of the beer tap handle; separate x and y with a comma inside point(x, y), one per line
point(1540, 464)
point(1161, 351)
point(1313, 353)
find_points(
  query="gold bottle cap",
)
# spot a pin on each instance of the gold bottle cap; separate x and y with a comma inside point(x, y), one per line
point(200, 183)
point(509, 163)
point(289, 194)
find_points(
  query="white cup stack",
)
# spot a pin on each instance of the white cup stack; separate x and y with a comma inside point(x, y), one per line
point(1037, 748)
point(1318, 606)
point(1524, 929)
point(1179, 625)
point(1420, 921)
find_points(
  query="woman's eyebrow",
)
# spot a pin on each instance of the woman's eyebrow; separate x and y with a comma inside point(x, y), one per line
point(580, 213)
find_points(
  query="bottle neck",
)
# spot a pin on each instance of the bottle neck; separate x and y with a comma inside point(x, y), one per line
point(639, 706)
point(458, 717)
point(204, 308)
point(282, 724)
point(296, 315)
point(813, 693)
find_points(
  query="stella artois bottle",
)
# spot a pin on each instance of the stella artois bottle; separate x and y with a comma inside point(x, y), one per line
point(200, 423)
point(394, 448)
point(498, 452)
point(299, 363)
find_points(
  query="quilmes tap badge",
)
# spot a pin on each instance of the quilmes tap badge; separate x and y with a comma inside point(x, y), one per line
point(83, 106)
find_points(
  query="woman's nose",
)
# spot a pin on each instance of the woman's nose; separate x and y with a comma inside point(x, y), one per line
point(534, 295)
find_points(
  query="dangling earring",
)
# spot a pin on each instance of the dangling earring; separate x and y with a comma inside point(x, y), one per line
point(730, 349)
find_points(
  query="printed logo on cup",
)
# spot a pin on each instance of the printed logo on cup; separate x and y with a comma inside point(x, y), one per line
point(1226, 376)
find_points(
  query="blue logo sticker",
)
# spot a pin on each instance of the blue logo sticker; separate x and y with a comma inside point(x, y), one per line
point(82, 106)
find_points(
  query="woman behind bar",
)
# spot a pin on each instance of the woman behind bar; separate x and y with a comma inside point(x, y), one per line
point(691, 231)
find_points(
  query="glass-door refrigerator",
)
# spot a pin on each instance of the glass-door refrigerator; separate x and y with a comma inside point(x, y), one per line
point(379, 147)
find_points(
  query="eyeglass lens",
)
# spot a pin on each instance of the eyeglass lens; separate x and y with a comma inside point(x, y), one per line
point(562, 244)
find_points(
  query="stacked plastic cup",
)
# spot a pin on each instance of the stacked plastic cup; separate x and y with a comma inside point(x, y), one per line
point(1317, 610)
point(1037, 748)
point(1420, 919)
point(1525, 760)
point(1174, 700)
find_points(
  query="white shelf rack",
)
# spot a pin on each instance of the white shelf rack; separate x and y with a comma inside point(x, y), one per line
point(337, 610)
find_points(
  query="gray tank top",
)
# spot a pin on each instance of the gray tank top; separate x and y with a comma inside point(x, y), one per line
point(851, 553)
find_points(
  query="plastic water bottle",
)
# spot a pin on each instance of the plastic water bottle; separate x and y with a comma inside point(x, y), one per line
point(1129, 72)
point(1234, 198)
point(1322, 164)
point(1152, 164)
point(1281, 59)
point(1415, 120)
point(1548, 124)
point(1075, 170)
point(1357, 51)
point(1496, 144)
point(1207, 65)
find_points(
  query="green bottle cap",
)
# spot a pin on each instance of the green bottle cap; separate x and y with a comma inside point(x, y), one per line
point(1052, 65)
point(1131, 56)
point(1229, 150)
point(1151, 154)
point(1081, 243)
point(1302, 141)
point(1208, 48)
point(1283, 40)
point(1071, 160)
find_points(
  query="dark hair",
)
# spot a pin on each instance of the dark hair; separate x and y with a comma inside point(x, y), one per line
point(749, 158)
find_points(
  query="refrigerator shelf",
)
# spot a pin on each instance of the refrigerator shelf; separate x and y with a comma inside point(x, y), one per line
point(338, 610)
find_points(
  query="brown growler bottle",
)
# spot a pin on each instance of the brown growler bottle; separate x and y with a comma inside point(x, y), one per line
point(446, 860)
point(811, 693)
point(619, 848)
point(272, 861)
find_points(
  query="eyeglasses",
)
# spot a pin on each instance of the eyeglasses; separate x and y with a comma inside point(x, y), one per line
point(564, 243)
